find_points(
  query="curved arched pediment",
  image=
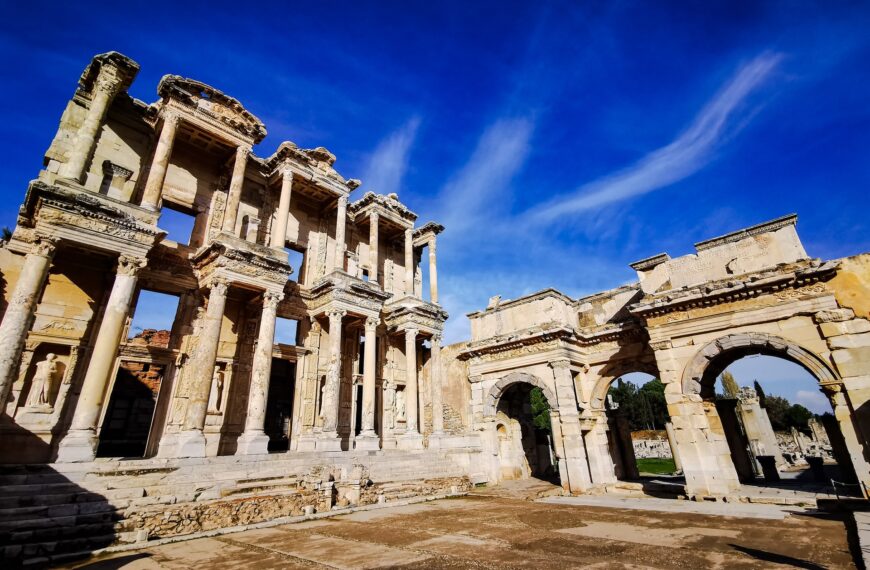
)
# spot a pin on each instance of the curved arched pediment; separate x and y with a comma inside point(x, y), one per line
point(700, 374)
point(500, 387)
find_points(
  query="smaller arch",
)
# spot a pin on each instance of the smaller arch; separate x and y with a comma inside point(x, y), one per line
point(613, 373)
point(495, 393)
point(701, 372)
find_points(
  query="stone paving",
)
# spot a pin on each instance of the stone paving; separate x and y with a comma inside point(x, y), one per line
point(499, 528)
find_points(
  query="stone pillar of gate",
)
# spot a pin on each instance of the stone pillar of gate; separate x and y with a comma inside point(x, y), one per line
point(575, 459)
point(254, 440)
point(80, 442)
point(19, 312)
point(368, 439)
point(329, 439)
point(700, 439)
point(601, 466)
point(844, 413)
point(675, 453)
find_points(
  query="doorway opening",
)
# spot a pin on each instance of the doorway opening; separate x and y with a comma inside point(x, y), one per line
point(279, 407)
point(525, 440)
point(637, 418)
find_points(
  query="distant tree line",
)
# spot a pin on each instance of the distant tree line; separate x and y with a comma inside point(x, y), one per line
point(645, 407)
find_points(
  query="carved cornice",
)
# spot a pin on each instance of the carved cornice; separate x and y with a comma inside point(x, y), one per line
point(206, 101)
point(110, 72)
point(763, 228)
point(340, 288)
point(389, 204)
point(785, 282)
point(227, 256)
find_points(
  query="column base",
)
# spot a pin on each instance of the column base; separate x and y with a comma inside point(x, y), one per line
point(190, 444)
point(328, 441)
point(410, 441)
point(367, 442)
point(253, 443)
point(307, 442)
point(435, 440)
point(79, 446)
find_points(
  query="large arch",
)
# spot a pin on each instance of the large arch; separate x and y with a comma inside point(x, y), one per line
point(490, 405)
point(699, 376)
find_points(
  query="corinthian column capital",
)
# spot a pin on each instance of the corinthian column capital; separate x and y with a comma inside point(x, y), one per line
point(336, 315)
point(271, 299)
point(372, 323)
point(45, 247)
point(219, 287)
point(129, 265)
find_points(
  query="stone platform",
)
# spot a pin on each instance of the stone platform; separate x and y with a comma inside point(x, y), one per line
point(48, 511)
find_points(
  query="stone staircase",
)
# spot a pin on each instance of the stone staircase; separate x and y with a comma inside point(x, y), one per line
point(49, 513)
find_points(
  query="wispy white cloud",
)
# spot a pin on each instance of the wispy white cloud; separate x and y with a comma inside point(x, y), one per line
point(389, 162)
point(481, 185)
point(681, 158)
point(814, 401)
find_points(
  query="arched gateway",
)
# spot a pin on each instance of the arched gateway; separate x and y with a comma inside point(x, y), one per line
point(754, 291)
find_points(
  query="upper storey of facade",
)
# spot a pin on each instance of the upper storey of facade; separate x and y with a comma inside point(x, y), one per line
point(744, 263)
point(121, 164)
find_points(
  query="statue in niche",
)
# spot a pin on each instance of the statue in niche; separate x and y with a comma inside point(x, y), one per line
point(216, 395)
point(390, 402)
point(400, 405)
point(42, 387)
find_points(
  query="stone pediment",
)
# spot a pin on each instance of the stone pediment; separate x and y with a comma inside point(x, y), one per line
point(207, 101)
point(411, 312)
point(340, 290)
point(240, 262)
point(319, 161)
point(382, 204)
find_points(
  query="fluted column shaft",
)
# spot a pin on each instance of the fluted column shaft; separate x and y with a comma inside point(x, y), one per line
point(411, 401)
point(157, 174)
point(329, 405)
point(231, 212)
point(201, 366)
point(107, 86)
point(279, 232)
point(435, 383)
point(80, 442)
point(341, 219)
point(409, 262)
point(254, 440)
point(369, 374)
point(19, 313)
point(373, 247)
point(433, 273)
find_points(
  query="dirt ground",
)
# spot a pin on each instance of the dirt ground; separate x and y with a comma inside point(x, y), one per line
point(489, 530)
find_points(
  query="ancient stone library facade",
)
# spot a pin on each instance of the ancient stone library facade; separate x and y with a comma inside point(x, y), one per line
point(136, 435)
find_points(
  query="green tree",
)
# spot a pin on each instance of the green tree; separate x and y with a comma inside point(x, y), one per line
point(540, 409)
point(798, 416)
point(777, 410)
point(762, 398)
point(6, 233)
point(729, 385)
point(653, 392)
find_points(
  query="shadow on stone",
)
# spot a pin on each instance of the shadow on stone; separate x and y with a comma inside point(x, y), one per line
point(46, 517)
point(776, 558)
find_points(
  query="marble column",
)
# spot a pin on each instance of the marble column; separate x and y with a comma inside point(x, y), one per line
point(198, 373)
point(107, 85)
point(436, 387)
point(231, 211)
point(254, 440)
point(157, 174)
point(329, 440)
point(433, 273)
point(80, 442)
point(373, 247)
point(340, 221)
point(19, 312)
point(279, 230)
point(368, 439)
point(409, 262)
point(412, 436)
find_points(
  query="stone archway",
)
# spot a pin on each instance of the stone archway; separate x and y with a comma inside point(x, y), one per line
point(521, 448)
point(498, 389)
point(700, 374)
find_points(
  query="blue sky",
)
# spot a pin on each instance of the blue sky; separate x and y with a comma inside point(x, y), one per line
point(557, 142)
